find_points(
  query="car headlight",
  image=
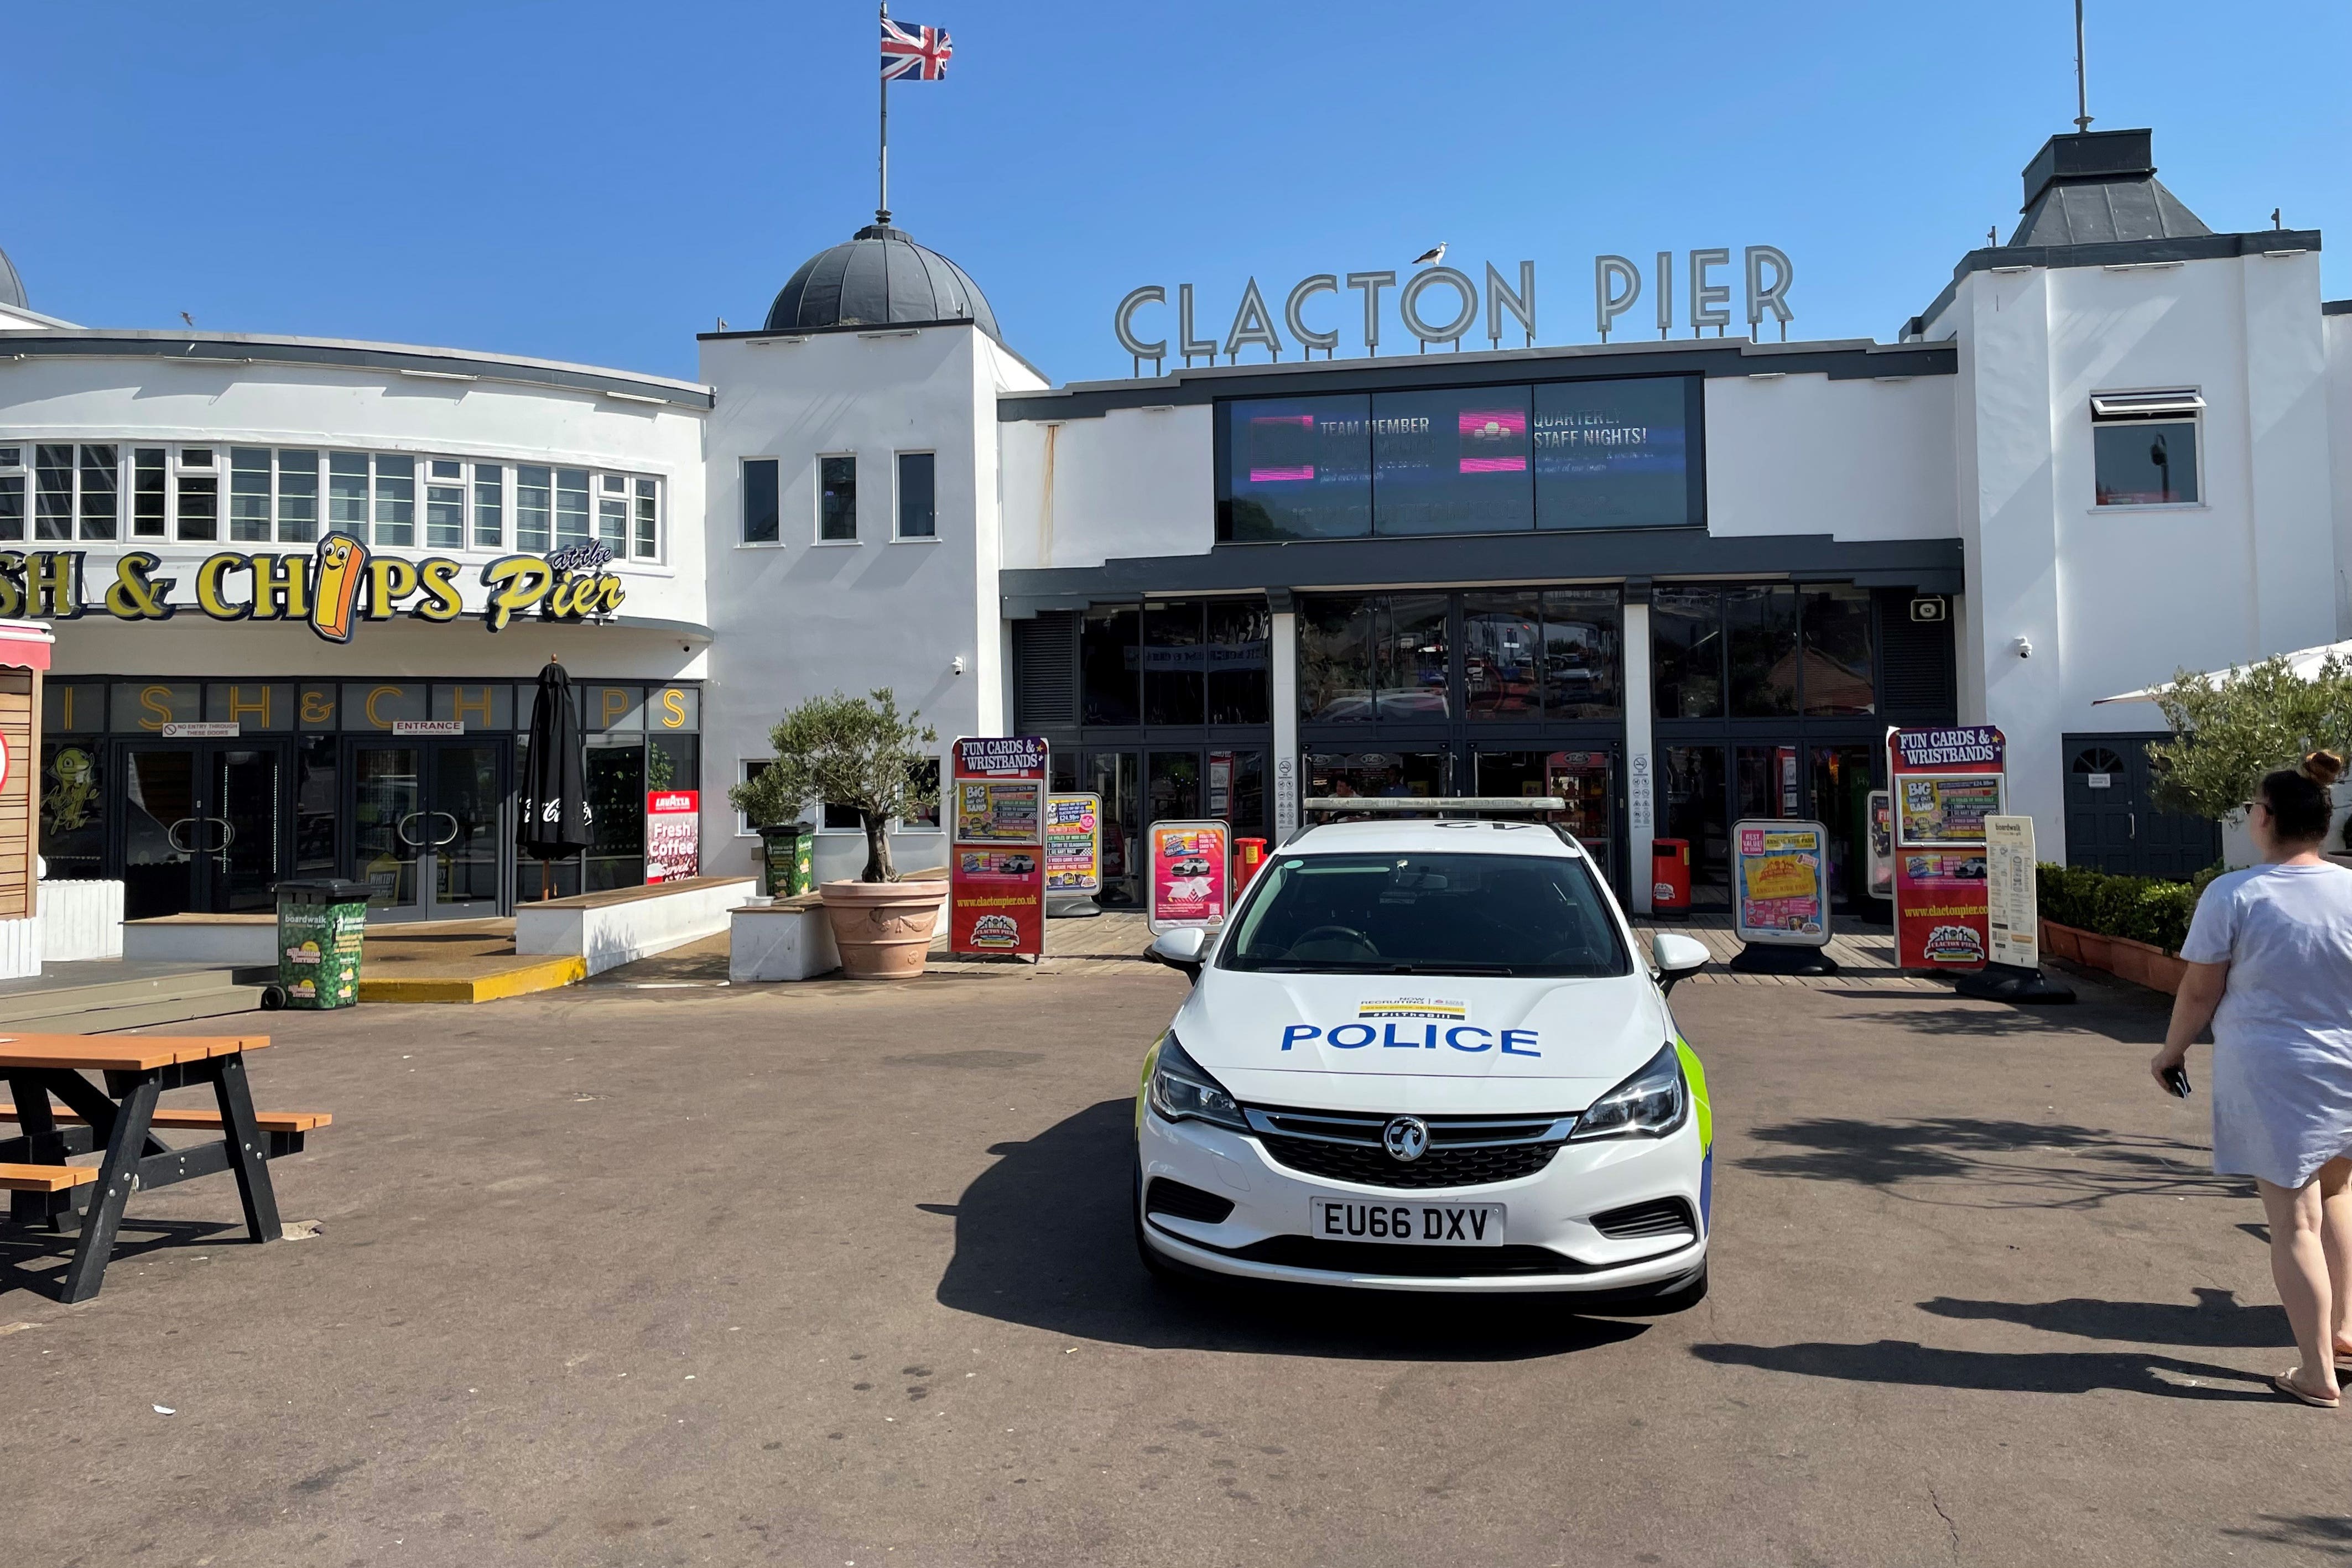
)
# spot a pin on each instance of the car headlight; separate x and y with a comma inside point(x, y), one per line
point(1648, 1104)
point(1183, 1090)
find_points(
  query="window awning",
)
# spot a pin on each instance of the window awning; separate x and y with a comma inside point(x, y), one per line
point(2144, 405)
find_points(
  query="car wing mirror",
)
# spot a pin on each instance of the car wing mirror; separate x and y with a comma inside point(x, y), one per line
point(1672, 955)
point(1181, 950)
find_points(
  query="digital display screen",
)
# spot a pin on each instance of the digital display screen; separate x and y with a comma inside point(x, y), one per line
point(1615, 454)
point(1300, 468)
point(1612, 454)
point(1452, 462)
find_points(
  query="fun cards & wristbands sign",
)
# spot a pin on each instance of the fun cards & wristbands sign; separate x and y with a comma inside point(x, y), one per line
point(331, 589)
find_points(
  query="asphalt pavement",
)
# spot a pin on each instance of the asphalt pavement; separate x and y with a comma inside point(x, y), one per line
point(833, 1275)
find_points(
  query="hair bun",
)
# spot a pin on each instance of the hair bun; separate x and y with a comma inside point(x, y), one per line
point(2322, 768)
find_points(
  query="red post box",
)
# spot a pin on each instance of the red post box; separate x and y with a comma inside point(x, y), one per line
point(1248, 855)
point(1670, 876)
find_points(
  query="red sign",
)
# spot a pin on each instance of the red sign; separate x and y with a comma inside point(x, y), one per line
point(673, 834)
point(1941, 785)
point(1189, 871)
point(995, 811)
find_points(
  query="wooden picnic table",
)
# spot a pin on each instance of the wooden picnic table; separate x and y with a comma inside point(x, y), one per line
point(134, 1071)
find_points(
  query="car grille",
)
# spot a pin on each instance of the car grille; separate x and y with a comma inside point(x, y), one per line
point(1660, 1217)
point(1411, 1262)
point(1182, 1201)
point(1464, 1151)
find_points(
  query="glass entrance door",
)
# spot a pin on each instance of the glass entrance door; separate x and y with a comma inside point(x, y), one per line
point(203, 827)
point(429, 826)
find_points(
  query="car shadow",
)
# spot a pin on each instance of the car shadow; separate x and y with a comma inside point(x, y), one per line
point(2217, 1321)
point(1986, 1162)
point(2320, 1534)
point(1044, 1238)
point(1907, 1363)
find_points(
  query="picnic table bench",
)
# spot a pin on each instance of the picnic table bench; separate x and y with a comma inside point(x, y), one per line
point(123, 1116)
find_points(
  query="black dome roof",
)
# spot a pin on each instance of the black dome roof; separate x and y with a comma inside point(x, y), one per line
point(12, 288)
point(877, 277)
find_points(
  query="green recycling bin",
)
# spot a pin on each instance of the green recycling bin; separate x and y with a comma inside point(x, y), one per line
point(321, 921)
point(787, 860)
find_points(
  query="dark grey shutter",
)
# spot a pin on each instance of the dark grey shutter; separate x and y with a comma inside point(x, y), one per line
point(1917, 671)
point(1045, 672)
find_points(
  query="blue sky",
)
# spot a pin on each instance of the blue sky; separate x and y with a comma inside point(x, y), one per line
point(591, 181)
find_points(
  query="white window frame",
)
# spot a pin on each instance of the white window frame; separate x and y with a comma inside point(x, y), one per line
point(221, 470)
point(743, 775)
point(742, 500)
point(428, 481)
point(2148, 408)
point(474, 481)
point(898, 514)
point(816, 504)
point(14, 465)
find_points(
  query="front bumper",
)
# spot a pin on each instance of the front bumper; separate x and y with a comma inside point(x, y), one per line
point(1551, 1244)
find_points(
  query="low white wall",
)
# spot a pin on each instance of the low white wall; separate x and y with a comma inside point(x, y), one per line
point(183, 941)
point(767, 942)
point(20, 949)
point(608, 935)
point(80, 920)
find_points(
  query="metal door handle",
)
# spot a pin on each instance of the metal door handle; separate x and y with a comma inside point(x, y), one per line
point(229, 835)
point(171, 835)
point(455, 827)
point(2134, 819)
point(400, 830)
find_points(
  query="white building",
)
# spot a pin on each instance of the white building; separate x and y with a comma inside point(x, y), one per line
point(1681, 581)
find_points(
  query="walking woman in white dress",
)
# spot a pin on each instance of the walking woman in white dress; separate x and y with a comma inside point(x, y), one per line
point(2270, 966)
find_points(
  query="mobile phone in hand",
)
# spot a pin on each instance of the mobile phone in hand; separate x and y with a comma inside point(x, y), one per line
point(2175, 1080)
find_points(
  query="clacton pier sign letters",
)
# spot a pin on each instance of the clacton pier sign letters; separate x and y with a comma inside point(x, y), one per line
point(1440, 304)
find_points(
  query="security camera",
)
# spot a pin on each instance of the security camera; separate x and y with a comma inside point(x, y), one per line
point(958, 664)
point(2024, 648)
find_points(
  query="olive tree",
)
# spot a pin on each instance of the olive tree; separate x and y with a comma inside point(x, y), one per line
point(857, 752)
point(2231, 729)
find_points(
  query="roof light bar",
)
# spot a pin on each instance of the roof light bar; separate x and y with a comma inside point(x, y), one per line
point(1422, 805)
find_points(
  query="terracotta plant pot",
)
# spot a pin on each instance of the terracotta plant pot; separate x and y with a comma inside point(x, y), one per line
point(883, 929)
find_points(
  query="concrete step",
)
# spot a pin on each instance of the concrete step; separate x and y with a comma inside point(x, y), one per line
point(85, 998)
point(216, 1002)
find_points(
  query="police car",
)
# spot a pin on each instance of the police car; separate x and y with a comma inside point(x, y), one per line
point(1427, 1055)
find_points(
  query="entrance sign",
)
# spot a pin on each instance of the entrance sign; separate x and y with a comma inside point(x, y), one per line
point(996, 822)
point(2012, 918)
point(1782, 876)
point(1945, 785)
point(1074, 844)
point(673, 834)
point(429, 726)
point(1190, 864)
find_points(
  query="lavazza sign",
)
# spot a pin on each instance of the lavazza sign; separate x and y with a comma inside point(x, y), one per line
point(1440, 304)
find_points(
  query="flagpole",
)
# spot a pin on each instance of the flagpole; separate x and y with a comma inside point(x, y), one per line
point(882, 211)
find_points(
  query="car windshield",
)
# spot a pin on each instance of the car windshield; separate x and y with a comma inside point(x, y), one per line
point(1403, 913)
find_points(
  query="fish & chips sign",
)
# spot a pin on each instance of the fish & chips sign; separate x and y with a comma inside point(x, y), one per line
point(331, 589)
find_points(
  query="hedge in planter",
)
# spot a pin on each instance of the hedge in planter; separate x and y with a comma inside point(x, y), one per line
point(2142, 908)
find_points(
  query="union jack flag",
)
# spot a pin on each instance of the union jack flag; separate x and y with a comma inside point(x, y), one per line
point(921, 53)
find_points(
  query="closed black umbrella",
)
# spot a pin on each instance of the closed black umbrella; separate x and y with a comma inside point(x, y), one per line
point(554, 803)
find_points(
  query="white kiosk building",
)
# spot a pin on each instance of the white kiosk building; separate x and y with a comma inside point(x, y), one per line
point(1680, 581)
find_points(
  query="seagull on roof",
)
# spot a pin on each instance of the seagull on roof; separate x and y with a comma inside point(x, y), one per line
point(1430, 258)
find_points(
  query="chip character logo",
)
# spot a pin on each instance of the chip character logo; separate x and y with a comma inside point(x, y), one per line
point(1406, 1139)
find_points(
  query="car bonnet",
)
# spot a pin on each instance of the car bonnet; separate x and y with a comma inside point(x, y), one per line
point(1344, 1041)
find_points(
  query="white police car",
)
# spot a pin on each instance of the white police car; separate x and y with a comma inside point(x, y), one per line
point(1424, 1055)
